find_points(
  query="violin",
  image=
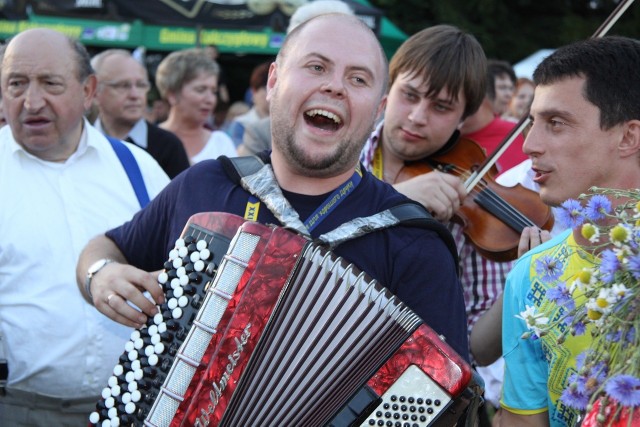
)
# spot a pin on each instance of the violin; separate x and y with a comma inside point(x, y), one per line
point(492, 215)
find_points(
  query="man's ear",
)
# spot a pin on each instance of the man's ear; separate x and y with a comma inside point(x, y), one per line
point(629, 145)
point(271, 80)
point(89, 88)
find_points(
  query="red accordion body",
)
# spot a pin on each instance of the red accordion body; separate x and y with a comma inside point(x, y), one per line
point(279, 332)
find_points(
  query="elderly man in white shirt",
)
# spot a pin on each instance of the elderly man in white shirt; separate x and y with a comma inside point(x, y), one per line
point(61, 183)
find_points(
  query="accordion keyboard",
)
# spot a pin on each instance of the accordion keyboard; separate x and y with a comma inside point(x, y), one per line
point(413, 400)
point(149, 354)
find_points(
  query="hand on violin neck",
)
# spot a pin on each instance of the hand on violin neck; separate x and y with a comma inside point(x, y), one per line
point(440, 193)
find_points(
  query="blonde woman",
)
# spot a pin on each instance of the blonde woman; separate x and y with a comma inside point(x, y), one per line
point(188, 80)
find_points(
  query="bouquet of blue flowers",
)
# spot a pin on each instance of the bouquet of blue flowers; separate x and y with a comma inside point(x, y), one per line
point(604, 301)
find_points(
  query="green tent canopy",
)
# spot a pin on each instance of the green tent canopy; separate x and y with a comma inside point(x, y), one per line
point(390, 36)
point(133, 32)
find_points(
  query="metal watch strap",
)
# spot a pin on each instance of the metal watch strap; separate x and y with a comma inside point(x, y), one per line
point(89, 277)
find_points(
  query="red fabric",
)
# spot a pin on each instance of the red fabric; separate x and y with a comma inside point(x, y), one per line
point(490, 136)
point(623, 421)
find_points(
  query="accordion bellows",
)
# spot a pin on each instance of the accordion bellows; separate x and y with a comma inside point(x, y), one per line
point(262, 327)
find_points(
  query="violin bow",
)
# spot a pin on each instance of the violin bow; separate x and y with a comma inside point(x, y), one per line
point(476, 176)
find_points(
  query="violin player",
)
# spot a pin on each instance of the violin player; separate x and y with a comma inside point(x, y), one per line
point(437, 79)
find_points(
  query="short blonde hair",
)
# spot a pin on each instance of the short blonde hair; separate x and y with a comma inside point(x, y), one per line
point(181, 67)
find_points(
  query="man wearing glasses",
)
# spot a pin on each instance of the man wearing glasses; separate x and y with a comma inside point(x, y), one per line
point(121, 99)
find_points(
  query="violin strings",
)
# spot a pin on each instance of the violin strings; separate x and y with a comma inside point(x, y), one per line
point(482, 188)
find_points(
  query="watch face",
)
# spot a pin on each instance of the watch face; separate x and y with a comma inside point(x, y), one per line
point(97, 266)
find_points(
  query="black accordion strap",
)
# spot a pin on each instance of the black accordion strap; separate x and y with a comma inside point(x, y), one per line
point(239, 167)
point(414, 214)
point(410, 213)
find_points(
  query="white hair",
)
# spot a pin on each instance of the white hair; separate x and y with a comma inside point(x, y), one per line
point(317, 8)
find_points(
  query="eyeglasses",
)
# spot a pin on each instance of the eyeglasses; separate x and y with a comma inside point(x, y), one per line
point(124, 86)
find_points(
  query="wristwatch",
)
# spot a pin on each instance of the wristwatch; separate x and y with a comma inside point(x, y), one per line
point(92, 271)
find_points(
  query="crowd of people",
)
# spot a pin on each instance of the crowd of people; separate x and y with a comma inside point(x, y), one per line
point(105, 190)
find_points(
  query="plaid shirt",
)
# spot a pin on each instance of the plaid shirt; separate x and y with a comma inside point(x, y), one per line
point(482, 280)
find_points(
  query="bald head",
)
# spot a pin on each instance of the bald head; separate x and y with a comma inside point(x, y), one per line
point(54, 41)
point(122, 90)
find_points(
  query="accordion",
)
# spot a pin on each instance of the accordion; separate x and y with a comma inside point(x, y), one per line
point(262, 327)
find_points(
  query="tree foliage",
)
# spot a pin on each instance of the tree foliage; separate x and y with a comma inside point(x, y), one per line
point(513, 29)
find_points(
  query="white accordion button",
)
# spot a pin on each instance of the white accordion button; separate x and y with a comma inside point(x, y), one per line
point(205, 254)
point(177, 263)
point(94, 418)
point(138, 344)
point(176, 313)
point(135, 335)
point(172, 303)
point(148, 351)
point(175, 283)
point(183, 301)
point(135, 365)
point(153, 329)
point(163, 277)
point(153, 361)
point(195, 256)
point(183, 252)
point(178, 292)
point(126, 398)
point(106, 423)
point(115, 422)
point(173, 254)
point(128, 347)
point(159, 348)
point(157, 318)
point(118, 370)
point(130, 377)
point(113, 413)
point(180, 243)
point(109, 402)
point(130, 408)
point(201, 245)
point(198, 265)
point(133, 386)
point(138, 374)
point(155, 339)
point(106, 392)
point(136, 396)
point(184, 281)
point(162, 327)
point(113, 381)
point(115, 391)
point(181, 272)
point(132, 355)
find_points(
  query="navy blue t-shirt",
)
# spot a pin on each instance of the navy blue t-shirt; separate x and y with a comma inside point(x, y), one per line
point(413, 263)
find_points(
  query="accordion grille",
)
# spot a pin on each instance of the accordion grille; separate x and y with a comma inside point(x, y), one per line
point(179, 378)
point(332, 329)
point(165, 415)
point(196, 344)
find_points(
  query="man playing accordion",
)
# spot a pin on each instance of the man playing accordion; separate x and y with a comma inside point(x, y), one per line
point(325, 90)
